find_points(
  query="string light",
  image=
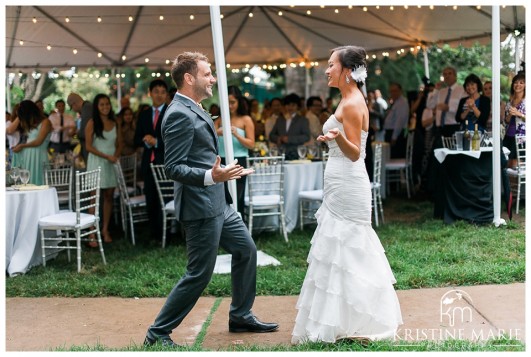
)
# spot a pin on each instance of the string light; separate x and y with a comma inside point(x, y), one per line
point(280, 13)
point(124, 58)
point(100, 54)
point(455, 7)
point(130, 18)
point(138, 75)
point(365, 8)
point(432, 7)
point(34, 20)
point(350, 7)
point(193, 17)
point(391, 8)
point(21, 43)
point(146, 60)
point(251, 14)
point(406, 7)
point(167, 61)
point(336, 11)
point(419, 6)
point(322, 6)
point(478, 7)
point(377, 7)
point(49, 47)
point(161, 17)
point(74, 51)
point(99, 18)
point(221, 16)
point(308, 12)
point(67, 19)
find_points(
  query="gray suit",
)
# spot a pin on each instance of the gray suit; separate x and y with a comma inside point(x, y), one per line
point(298, 134)
point(209, 222)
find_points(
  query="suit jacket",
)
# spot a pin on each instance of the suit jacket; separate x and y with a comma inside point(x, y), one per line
point(144, 126)
point(298, 134)
point(191, 147)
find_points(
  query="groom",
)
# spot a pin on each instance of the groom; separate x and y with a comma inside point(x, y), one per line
point(202, 203)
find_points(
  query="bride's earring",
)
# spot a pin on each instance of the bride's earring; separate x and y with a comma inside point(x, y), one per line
point(348, 80)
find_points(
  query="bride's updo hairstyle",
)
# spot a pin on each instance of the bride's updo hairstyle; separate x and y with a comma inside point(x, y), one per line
point(353, 57)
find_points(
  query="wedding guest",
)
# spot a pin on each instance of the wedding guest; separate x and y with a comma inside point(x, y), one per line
point(13, 131)
point(396, 122)
point(487, 92)
point(128, 128)
point(515, 116)
point(475, 107)
point(313, 114)
point(84, 109)
point(214, 110)
point(63, 128)
point(290, 130)
point(380, 100)
point(242, 129)
point(33, 153)
point(274, 113)
point(40, 104)
point(103, 140)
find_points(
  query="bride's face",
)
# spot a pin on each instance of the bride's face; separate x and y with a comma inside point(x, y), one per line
point(335, 73)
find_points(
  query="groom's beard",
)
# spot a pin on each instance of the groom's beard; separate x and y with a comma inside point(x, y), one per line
point(202, 92)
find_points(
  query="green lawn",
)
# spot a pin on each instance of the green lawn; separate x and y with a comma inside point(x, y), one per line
point(422, 252)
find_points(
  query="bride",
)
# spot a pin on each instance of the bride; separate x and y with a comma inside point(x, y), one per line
point(348, 289)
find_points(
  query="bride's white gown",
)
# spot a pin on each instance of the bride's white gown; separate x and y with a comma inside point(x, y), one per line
point(348, 289)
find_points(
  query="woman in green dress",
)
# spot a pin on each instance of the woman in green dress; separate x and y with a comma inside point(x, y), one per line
point(103, 142)
point(33, 153)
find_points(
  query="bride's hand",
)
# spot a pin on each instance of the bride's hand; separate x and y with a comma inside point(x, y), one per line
point(331, 135)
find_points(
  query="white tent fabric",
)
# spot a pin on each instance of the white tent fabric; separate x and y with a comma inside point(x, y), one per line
point(274, 34)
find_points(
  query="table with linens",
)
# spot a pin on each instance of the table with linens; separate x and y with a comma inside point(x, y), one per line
point(24, 208)
point(464, 187)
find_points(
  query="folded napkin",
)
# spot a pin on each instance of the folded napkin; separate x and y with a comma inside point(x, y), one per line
point(300, 161)
point(31, 187)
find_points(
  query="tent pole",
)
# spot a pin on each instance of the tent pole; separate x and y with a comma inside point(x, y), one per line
point(496, 147)
point(426, 62)
point(219, 54)
point(119, 91)
point(517, 58)
point(307, 83)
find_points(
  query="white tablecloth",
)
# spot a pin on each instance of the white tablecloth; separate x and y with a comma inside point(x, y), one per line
point(440, 154)
point(23, 210)
point(297, 177)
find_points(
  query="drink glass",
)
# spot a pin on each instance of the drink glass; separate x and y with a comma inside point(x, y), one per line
point(312, 151)
point(302, 150)
point(24, 176)
point(459, 140)
point(14, 174)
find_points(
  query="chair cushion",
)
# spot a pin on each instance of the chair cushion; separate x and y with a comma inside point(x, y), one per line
point(395, 165)
point(170, 206)
point(66, 219)
point(137, 200)
point(314, 195)
point(515, 172)
point(264, 200)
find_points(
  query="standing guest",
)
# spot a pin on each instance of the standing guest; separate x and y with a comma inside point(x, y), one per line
point(487, 92)
point(214, 110)
point(445, 101)
point(274, 113)
point(396, 122)
point(103, 140)
point(128, 128)
point(63, 128)
point(515, 116)
point(40, 104)
point(313, 114)
point(348, 289)
point(203, 206)
point(84, 109)
point(255, 110)
point(125, 102)
point(148, 135)
point(376, 114)
point(380, 100)
point(32, 154)
point(242, 129)
point(476, 107)
point(13, 131)
point(290, 130)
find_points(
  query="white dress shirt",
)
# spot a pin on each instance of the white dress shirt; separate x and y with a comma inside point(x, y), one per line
point(438, 97)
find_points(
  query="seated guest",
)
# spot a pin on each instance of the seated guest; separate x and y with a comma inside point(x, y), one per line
point(33, 153)
point(475, 108)
point(63, 128)
point(290, 130)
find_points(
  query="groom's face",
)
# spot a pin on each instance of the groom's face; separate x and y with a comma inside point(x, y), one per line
point(204, 80)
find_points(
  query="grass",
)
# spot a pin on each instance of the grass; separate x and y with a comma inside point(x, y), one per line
point(422, 252)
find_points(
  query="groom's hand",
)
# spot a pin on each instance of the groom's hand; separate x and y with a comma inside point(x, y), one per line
point(229, 172)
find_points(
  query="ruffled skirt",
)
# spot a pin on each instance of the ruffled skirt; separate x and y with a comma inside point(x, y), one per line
point(348, 289)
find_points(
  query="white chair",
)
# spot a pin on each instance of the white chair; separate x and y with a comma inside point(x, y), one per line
point(376, 184)
point(449, 142)
point(165, 190)
point(266, 191)
point(518, 173)
point(309, 200)
point(133, 208)
point(398, 170)
point(80, 224)
point(128, 167)
point(61, 179)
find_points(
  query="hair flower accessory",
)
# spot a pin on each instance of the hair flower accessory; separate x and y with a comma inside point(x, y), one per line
point(359, 74)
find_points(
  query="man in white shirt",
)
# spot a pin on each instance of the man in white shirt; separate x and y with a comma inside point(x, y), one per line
point(63, 128)
point(313, 114)
point(445, 101)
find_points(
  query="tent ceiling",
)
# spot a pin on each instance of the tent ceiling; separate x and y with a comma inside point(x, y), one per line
point(264, 38)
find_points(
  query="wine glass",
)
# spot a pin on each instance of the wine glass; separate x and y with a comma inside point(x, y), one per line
point(302, 150)
point(14, 174)
point(24, 176)
point(312, 151)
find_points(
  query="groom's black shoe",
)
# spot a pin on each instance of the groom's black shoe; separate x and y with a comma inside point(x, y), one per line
point(164, 342)
point(252, 325)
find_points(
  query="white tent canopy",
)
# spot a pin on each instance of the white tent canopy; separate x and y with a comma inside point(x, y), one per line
point(251, 34)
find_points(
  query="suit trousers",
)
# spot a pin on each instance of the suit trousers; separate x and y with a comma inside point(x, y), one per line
point(203, 239)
